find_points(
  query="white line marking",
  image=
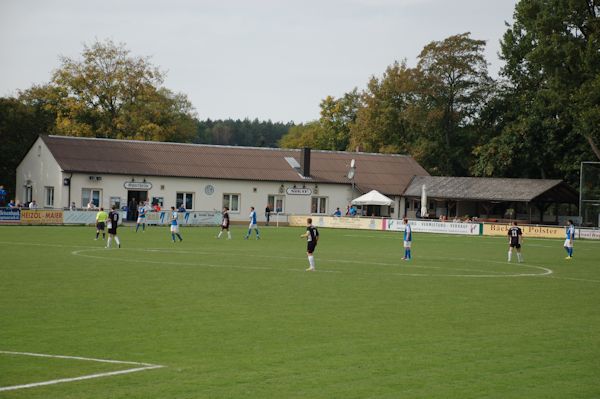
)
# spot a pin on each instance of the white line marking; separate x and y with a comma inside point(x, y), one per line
point(146, 366)
point(545, 271)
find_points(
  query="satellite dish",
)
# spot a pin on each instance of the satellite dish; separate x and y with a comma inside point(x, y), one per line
point(350, 174)
point(353, 164)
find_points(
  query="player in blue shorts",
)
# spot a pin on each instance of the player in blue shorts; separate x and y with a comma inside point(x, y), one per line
point(407, 240)
point(252, 225)
point(175, 225)
point(570, 237)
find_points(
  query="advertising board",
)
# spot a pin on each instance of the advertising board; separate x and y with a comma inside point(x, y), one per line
point(497, 229)
point(431, 226)
point(41, 216)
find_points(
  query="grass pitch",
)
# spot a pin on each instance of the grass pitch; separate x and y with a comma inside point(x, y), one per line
point(242, 319)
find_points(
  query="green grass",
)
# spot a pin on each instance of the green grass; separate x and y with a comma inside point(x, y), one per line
point(241, 319)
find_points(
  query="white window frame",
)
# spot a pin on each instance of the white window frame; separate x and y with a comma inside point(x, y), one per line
point(49, 196)
point(229, 201)
point(276, 197)
point(184, 196)
point(318, 210)
point(91, 196)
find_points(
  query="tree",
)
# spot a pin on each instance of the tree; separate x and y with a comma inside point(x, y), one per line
point(20, 125)
point(383, 123)
point(453, 87)
point(552, 72)
point(337, 117)
point(109, 93)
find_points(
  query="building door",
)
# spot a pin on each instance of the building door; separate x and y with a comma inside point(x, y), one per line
point(133, 200)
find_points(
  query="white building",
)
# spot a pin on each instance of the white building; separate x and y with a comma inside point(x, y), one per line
point(58, 171)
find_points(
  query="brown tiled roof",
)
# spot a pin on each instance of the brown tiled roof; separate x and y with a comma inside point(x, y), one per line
point(388, 174)
point(492, 189)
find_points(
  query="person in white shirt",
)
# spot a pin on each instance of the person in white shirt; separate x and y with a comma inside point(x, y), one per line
point(33, 205)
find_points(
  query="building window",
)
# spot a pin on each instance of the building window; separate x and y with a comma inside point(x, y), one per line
point(185, 199)
point(276, 203)
point(231, 201)
point(319, 205)
point(28, 195)
point(49, 194)
point(89, 194)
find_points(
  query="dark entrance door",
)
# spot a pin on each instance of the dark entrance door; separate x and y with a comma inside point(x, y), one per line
point(133, 200)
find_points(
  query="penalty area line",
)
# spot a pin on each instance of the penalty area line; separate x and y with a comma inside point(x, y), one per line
point(144, 366)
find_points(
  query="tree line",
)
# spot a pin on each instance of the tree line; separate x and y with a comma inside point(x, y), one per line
point(539, 119)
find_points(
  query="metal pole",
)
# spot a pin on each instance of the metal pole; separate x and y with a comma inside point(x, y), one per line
point(581, 191)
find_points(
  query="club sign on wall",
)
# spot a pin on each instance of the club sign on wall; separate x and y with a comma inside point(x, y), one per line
point(134, 185)
point(298, 191)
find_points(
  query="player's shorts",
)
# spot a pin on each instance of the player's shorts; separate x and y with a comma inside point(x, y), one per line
point(100, 226)
point(517, 245)
point(407, 244)
point(141, 220)
point(174, 228)
point(253, 226)
point(568, 244)
point(112, 230)
point(225, 226)
point(310, 247)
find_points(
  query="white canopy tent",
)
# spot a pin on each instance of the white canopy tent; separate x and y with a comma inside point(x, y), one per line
point(373, 197)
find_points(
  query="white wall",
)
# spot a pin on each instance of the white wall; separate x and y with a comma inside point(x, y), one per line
point(250, 193)
point(40, 169)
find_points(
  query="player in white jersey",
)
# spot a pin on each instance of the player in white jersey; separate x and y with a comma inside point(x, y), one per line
point(175, 225)
point(570, 237)
point(252, 225)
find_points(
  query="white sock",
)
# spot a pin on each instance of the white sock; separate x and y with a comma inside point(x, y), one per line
point(117, 240)
point(311, 261)
point(228, 234)
point(220, 233)
point(509, 255)
point(108, 242)
point(519, 257)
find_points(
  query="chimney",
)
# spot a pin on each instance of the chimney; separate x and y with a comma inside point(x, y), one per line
point(305, 161)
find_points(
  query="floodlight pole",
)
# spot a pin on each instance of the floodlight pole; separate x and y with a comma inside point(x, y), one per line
point(581, 191)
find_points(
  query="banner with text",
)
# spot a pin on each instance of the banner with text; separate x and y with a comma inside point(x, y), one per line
point(194, 218)
point(337, 222)
point(496, 229)
point(588, 234)
point(429, 226)
point(41, 216)
point(10, 216)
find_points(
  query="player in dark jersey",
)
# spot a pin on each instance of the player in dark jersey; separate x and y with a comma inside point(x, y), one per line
point(515, 239)
point(112, 224)
point(225, 224)
point(312, 237)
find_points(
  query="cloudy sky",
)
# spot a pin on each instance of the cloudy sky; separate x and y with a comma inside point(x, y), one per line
point(262, 59)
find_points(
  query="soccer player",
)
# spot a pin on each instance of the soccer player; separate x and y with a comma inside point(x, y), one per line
point(515, 239)
point(113, 221)
point(312, 237)
point(407, 239)
point(141, 220)
point(175, 225)
point(225, 224)
point(570, 237)
point(101, 218)
point(252, 225)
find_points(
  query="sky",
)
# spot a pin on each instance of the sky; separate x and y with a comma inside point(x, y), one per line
point(265, 59)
